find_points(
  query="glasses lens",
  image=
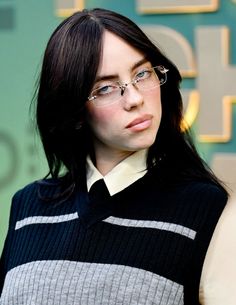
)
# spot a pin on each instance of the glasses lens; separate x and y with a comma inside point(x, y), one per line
point(155, 78)
point(106, 95)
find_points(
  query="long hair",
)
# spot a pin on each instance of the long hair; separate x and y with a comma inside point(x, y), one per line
point(69, 69)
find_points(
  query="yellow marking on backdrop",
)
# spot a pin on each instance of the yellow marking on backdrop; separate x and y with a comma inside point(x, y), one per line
point(228, 99)
point(191, 111)
point(173, 6)
point(228, 102)
point(65, 10)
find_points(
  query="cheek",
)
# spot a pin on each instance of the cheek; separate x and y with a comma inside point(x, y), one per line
point(154, 99)
point(154, 94)
point(100, 117)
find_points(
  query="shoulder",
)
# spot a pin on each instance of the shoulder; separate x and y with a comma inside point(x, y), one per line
point(207, 192)
point(196, 190)
point(207, 201)
point(28, 190)
point(38, 188)
point(20, 201)
point(204, 188)
point(26, 199)
point(205, 198)
point(33, 189)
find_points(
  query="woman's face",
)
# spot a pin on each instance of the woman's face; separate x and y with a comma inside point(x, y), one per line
point(131, 123)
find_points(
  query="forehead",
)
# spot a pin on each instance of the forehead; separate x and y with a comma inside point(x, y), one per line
point(117, 54)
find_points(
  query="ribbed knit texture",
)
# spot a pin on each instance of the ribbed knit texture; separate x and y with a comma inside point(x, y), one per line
point(144, 245)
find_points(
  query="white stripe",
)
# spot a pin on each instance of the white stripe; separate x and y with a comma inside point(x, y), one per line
point(160, 225)
point(45, 219)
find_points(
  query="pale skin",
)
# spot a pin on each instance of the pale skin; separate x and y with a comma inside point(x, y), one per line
point(130, 124)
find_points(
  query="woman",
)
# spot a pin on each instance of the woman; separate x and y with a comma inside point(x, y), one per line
point(109, 110)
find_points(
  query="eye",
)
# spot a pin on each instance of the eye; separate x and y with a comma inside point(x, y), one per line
point(144, 74)
point(106, 89)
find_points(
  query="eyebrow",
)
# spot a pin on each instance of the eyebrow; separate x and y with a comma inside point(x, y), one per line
point(114, 76)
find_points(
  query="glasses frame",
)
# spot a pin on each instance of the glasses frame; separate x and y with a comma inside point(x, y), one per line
point(123, 86)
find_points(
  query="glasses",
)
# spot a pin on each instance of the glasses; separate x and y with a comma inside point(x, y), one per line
point(144, 80)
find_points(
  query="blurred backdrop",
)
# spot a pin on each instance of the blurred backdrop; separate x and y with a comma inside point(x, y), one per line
point(198, 35)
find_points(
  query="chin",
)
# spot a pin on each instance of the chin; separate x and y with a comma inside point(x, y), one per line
point(144, 145)
point(146, 142)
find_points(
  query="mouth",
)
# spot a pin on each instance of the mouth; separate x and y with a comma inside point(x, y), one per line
point(140, 123)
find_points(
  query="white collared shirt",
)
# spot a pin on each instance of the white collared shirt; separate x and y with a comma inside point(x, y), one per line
point(122, 175)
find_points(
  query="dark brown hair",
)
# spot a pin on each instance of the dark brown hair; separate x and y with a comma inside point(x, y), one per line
point(68, 73)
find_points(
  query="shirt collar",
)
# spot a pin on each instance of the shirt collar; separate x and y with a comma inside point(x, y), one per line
point(122, 175)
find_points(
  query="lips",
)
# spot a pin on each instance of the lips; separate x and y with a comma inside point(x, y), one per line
point(140, 123)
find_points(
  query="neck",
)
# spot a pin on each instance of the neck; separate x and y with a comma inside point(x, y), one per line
point(105, 163)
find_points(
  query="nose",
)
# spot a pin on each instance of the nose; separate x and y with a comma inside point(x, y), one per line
point(131, 96)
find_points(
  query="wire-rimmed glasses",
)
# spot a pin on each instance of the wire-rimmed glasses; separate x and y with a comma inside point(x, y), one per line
point(146, 79)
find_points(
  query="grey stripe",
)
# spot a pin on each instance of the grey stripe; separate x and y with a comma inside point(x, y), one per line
point(160, 225)
point(45, 219)
point(66, 282)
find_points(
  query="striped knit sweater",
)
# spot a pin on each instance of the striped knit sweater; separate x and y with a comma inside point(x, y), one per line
point(143, 245)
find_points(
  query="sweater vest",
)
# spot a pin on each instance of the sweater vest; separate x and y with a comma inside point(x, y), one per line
point(143, 245)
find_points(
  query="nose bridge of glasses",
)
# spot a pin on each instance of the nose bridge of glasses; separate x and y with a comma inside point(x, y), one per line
point(133, 82)
point(123, 86)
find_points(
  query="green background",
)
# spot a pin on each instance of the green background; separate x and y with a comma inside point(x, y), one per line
point(25, 27)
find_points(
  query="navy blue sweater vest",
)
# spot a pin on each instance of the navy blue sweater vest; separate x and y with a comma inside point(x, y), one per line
point(143, 245)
